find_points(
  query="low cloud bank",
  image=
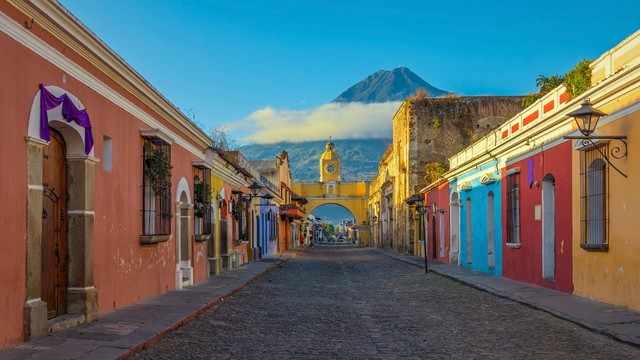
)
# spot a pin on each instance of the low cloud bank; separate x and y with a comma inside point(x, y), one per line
point(338, 120)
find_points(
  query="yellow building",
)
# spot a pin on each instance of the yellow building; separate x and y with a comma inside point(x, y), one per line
point(605, 219)
point(352, 195)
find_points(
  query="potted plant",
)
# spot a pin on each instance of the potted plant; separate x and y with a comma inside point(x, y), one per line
point(158, 170)
point(202, 198)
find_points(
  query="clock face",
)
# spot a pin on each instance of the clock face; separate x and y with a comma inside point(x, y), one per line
point(331, 169)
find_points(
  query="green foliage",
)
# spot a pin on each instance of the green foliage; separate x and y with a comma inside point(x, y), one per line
point(158, 170)
point(530, 99)
point(202, 198)
point(433, 171)
point(545, 85)
point(437, 123)
point(578, 80)
point(330, 229)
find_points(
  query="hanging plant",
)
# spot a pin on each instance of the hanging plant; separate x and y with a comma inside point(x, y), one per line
point(239, 207)
point(202, 198)
point(158, 170)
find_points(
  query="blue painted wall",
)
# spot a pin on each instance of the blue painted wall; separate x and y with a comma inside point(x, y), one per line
point(479, 221)
point(267, 246)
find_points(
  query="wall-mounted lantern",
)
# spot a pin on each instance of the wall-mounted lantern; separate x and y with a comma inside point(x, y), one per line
point(418, 201)
point(586, 118)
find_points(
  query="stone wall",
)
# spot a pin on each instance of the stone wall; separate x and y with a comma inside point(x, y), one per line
point(442, 127)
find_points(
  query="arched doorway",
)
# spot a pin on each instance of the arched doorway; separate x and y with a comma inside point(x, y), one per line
point(184, 268)
point(548, 227)
point(454, 245)
point(59, 251)
point(491, 233)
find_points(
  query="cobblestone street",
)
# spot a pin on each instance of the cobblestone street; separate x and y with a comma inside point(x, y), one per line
point(354, 303)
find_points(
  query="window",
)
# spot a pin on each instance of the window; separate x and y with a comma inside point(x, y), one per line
point(156, 204)
point(513, 207)
point(107, 153)
point(594, 198)
point(202, 204)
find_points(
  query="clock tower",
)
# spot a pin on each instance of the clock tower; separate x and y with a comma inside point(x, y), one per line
point(329, 164)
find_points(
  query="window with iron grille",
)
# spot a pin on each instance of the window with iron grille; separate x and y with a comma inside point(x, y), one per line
point(513, 208)
point(594, 198)
point(202, 202)
point(156, 187)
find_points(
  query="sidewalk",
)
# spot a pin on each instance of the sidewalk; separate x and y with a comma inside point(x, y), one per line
point(617, 322)
point(122, 332)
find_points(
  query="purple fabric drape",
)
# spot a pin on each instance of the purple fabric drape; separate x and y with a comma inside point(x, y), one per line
point(530, 172)
point(69, 112)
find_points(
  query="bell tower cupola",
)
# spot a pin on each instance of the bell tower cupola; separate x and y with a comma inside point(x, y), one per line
point(329, 164)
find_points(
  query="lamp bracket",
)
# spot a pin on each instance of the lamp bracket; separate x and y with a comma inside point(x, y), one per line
point(617, 151)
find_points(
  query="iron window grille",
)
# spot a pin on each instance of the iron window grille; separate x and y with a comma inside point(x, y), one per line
point(203, 223)
point(156, 187)
point(513, 208)
point(594, 198)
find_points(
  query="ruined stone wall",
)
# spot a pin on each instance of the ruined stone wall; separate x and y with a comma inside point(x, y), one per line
point(442, 127)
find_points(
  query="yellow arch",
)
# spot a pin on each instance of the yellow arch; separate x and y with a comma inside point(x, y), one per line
point(352, 195)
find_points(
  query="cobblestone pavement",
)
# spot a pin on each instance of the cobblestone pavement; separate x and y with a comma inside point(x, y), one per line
point(352, 303)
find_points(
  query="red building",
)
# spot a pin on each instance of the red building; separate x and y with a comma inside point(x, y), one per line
point(537, 186)
point(435, 220)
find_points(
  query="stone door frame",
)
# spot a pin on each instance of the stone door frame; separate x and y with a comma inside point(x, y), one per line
point(82, 296)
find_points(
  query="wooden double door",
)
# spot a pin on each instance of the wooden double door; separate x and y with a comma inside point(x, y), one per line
point(55, 252)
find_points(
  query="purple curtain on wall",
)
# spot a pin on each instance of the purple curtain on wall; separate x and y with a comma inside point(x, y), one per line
point(530, 172)
point(70, 113)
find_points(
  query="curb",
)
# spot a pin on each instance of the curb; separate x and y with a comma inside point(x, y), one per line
point(157, 337)
point(560, 315)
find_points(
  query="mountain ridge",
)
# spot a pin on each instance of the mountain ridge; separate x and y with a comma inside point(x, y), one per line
point(391, 85)
point(359, 157)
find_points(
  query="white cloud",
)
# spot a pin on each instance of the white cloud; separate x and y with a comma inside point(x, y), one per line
point(338, 120)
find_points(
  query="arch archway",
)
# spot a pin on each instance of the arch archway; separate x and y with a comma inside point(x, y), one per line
point(79, 215)
point(184, 268)
point(341, 218)
point(454, 245)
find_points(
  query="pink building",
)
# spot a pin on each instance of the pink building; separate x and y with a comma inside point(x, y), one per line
point(98, 178)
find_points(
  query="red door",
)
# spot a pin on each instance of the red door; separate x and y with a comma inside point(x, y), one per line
point(54, 227)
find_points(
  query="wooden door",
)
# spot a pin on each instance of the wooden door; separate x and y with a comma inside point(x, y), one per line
point(223, 238)
point(54, 227)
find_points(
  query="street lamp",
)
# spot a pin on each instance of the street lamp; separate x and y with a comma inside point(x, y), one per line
point(255, 189)
point(418, 202)
point(586, 117)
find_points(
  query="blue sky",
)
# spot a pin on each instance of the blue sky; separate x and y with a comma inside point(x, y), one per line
point(258, 65)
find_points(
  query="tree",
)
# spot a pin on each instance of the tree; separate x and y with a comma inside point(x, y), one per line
point(578, 79)
point(330, 230)
point(545, 85)
point(433, 171)
point(222, 140)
